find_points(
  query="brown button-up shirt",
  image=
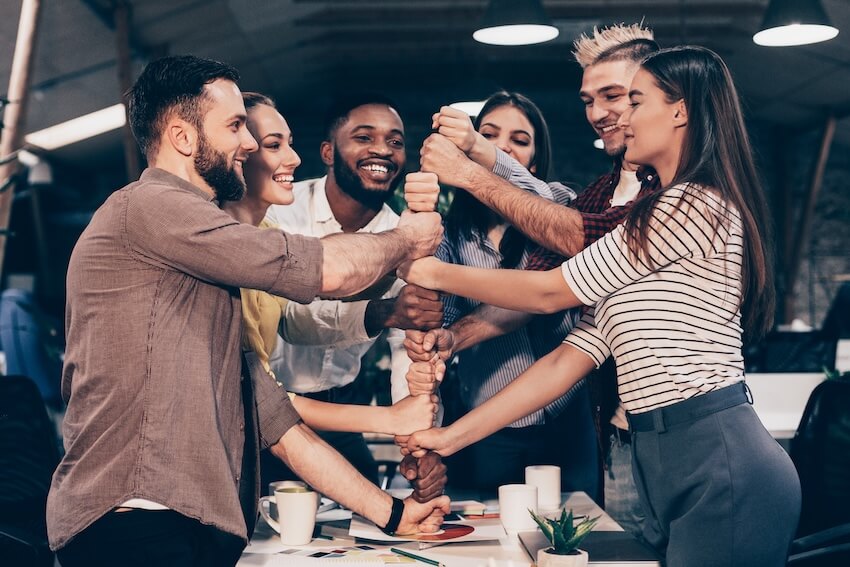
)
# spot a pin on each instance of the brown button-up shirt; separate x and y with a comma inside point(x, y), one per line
point(152, 368)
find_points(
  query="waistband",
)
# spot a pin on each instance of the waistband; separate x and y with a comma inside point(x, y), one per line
point(660, 419)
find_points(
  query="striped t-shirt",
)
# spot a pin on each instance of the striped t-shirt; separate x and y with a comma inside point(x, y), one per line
point(674, 324)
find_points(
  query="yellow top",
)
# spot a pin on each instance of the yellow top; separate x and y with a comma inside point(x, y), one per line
point(261, 318)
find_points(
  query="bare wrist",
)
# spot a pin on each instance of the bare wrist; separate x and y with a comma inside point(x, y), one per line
point(482, 152)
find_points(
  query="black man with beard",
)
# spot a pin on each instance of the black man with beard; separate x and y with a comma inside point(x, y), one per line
point(364, 152)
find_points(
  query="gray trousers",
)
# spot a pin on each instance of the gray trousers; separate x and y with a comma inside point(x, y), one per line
point(716, 487)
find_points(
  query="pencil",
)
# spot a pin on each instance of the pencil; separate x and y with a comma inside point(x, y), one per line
point(416, 557)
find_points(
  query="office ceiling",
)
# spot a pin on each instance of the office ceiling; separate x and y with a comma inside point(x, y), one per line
point(302, 50)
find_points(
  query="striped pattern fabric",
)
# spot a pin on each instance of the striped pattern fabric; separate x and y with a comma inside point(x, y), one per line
point(673, 324)
point(490, 366)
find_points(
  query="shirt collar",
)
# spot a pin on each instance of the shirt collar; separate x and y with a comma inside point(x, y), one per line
point(321, 207)
point(645, 174)
point(323, 213)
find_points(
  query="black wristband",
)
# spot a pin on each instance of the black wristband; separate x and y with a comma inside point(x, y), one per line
point(395, 517)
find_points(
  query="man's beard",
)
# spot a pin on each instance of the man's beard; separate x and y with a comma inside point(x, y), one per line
point(212, 166)
point(352, 185)
point(616, 152)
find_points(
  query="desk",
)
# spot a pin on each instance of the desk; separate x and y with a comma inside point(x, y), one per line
point(779, 399)
point(507, 552)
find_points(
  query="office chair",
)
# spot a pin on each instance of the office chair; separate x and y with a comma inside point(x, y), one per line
point(28, 456)
point(821, 452)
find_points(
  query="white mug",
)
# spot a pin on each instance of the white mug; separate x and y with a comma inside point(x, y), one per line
point(285, 484)
point(296, 513)
point(547, 479)
point(515, 500)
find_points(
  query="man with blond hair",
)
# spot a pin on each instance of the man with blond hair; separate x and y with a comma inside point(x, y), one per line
point(610, 58)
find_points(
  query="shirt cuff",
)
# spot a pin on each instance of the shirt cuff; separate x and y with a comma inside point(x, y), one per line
point(276, 412)
point(300, 277)
point(357, 317)
point(502, 166)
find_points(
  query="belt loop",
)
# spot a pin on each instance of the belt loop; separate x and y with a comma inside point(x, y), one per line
point(748, 392)
point(658, 420)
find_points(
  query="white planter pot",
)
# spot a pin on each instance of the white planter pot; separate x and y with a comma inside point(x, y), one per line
point(545, 559)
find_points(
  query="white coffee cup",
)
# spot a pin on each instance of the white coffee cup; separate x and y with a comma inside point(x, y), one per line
point(285, 484)
point(547, 479)
point(515, 500)
point(296, 513)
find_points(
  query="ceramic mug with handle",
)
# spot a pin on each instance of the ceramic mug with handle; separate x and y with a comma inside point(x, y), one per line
point(296, 513)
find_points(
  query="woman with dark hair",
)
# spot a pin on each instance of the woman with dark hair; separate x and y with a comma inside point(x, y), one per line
point(476, 236)
point(671, 294)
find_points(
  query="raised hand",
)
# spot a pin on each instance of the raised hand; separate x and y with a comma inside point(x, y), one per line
point(416, 308)
point(424, 230)
point(425, 377)
point(424, 517)
point(455, 125)
point(436, 439)
point(422, 272)
point(415, 412)
point(421, 191)
point(427, 475)
point(441, 156)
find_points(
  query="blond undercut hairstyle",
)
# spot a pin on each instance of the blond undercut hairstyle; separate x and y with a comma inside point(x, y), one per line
point(618, 41)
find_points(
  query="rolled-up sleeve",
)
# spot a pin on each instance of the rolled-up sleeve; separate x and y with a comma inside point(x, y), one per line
point(170, 226)
point(274, 407)
point(587, 338)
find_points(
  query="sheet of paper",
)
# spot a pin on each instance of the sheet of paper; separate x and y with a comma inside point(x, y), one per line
point(451, 532)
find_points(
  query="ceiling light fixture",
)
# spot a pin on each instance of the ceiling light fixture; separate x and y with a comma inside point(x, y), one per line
point(79, 129)
point(515, 22)
point(794, 22)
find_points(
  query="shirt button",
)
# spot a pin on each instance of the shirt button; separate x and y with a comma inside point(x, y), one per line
point(241, 427)
point(238, 477)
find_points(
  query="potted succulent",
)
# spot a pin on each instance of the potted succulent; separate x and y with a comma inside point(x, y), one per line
point(565, 535)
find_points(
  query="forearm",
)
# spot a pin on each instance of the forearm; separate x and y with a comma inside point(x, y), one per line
point(353, 262)
point(328, 472)
point(343, 417)
point(544, 382)
point(485, 323)
point(553, 226)
point(542, 292)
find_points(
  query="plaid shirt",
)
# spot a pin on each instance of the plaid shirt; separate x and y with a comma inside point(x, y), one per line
point(598, 216)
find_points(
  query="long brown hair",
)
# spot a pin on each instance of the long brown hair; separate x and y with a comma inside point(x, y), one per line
point(716, 153)
point(467, 216)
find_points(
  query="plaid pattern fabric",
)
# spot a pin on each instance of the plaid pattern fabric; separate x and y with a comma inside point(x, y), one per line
point(598, 216)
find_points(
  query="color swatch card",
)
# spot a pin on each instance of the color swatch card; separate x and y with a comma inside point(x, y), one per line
point(450, 532)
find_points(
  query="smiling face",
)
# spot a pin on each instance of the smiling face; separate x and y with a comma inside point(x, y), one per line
point(367, 153)
point(270, 171)
point(224, 142)
point(605, 94)
point(510, 130)
point(654, 127)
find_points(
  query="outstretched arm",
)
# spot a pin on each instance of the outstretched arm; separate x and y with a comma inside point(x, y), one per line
point(402, 418)
point(550, 224)
point(353, 262)
point(546, 380)
point(519, 290)
point(328, 472)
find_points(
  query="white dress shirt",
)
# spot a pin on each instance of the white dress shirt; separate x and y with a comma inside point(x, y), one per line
point(306, 369)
